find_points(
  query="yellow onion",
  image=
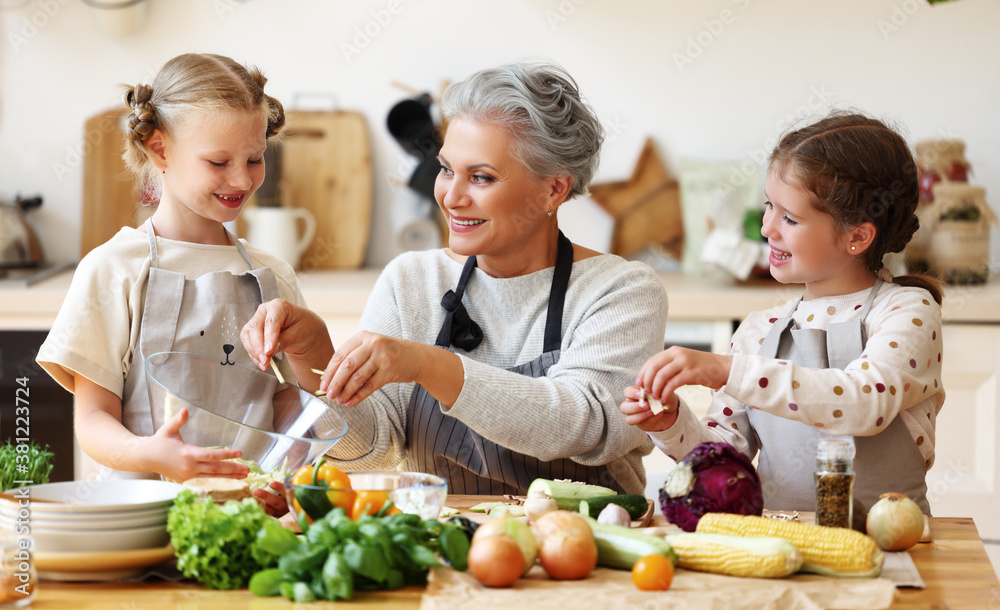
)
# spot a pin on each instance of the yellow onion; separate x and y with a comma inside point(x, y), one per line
point(895, 522)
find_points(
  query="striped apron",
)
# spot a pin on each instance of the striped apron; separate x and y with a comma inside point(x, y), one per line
point(471, 463)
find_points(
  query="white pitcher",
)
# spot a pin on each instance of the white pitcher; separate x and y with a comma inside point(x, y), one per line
point(276, 230)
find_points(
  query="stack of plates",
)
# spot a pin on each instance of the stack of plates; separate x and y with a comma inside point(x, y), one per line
point(95, 526)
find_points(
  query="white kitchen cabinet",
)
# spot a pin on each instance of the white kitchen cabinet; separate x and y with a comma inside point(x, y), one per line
point(965, 478)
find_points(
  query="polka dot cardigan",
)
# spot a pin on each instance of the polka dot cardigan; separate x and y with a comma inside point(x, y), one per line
point(897, 375)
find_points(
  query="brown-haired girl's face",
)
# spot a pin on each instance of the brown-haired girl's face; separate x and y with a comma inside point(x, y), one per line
point(214, 164)
point(806, 245)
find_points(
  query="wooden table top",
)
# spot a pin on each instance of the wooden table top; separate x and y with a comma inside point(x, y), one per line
point(954, 566)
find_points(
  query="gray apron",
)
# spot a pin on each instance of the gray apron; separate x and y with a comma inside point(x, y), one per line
point(472, 464)
point(202, 316)
point(888, 461)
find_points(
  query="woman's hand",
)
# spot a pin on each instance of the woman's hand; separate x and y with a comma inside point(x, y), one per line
point(637, 412)
point(168, 455)
point(273, 502)
point(300, 333)
point(679, 366)
point(366, 362)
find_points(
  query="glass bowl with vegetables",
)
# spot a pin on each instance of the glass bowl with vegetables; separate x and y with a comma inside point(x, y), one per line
point(315, 490)
point(278, 426)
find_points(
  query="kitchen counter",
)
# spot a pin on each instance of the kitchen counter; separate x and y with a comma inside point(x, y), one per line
point(954, 567)
point(340, 297)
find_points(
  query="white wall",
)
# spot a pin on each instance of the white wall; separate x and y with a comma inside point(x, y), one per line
point(750, 67)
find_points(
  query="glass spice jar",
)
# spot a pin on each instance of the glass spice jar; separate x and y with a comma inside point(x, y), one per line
point(835, 481)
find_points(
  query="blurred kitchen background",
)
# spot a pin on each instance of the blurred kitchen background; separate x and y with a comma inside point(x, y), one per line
point(714, 81)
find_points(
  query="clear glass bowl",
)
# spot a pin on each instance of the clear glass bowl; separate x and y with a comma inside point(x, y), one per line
point(411, 492)
point(241, 407)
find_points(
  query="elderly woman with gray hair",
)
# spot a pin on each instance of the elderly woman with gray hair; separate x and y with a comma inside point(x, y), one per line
point(500, 358)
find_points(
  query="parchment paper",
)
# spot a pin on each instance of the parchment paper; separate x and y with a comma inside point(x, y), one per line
point(607, 589)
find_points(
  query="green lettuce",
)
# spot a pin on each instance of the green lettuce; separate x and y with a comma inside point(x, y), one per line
point(217, 545)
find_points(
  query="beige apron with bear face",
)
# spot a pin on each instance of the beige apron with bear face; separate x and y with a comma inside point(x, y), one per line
point(203, 316)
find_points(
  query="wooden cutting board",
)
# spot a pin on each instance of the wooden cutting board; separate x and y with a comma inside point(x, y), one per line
point(326, 169)
point(108, 199)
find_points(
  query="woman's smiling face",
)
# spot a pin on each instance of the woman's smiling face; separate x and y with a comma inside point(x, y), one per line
point(495, 206)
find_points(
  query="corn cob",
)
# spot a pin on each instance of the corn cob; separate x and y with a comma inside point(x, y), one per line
point(831, 551)
point(736, 555)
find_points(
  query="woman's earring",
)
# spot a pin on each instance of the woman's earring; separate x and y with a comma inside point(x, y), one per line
point(550, 212)
point(853, 248)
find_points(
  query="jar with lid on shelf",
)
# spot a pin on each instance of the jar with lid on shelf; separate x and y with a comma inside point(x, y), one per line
point(835, 481)
point(938, 161)
point(960, 239)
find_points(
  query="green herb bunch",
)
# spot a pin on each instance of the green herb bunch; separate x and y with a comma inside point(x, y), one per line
point(37, 465)
point(337, 556)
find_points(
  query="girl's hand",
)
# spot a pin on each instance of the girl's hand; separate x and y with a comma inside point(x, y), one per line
point(678, 366)
point(365, 363)
point(637, 412)
point(171, 457)
point(301, 334)
point(273, 503)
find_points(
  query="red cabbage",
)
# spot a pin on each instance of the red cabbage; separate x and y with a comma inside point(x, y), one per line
point(713, 478)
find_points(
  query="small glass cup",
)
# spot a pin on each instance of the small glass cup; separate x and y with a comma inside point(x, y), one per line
point(18, 578)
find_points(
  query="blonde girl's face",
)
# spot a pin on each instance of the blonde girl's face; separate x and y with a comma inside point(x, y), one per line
point(806, 245)
point(213, 165)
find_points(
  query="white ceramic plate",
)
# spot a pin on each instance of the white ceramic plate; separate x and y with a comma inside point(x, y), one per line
point(10, 512)
point(98, 541)
point(73, 525)
point(81, 497)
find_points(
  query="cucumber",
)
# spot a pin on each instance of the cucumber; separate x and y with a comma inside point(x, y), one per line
point(620, 547)
point(634, 504)
point(506, 510)
point(568, 495)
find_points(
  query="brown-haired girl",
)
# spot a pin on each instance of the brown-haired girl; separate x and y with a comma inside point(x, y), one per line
point(181, 282)
point(858, 354)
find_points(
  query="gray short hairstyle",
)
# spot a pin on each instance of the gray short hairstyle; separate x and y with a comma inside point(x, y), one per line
point(555, 131)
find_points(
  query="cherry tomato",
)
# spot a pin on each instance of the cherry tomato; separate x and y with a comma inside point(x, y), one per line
point(653, 573)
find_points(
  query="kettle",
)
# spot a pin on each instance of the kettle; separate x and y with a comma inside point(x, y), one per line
point(19, 247)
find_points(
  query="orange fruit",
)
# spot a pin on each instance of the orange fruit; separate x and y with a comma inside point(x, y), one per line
point(653, 573)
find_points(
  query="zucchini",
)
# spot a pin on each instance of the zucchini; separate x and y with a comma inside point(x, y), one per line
point(634, 504)
point(484, 507)
point(620, 547)
point(568, 495)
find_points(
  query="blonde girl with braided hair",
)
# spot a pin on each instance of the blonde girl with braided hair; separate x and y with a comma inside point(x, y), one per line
point(195, 140)
point(858, 354)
